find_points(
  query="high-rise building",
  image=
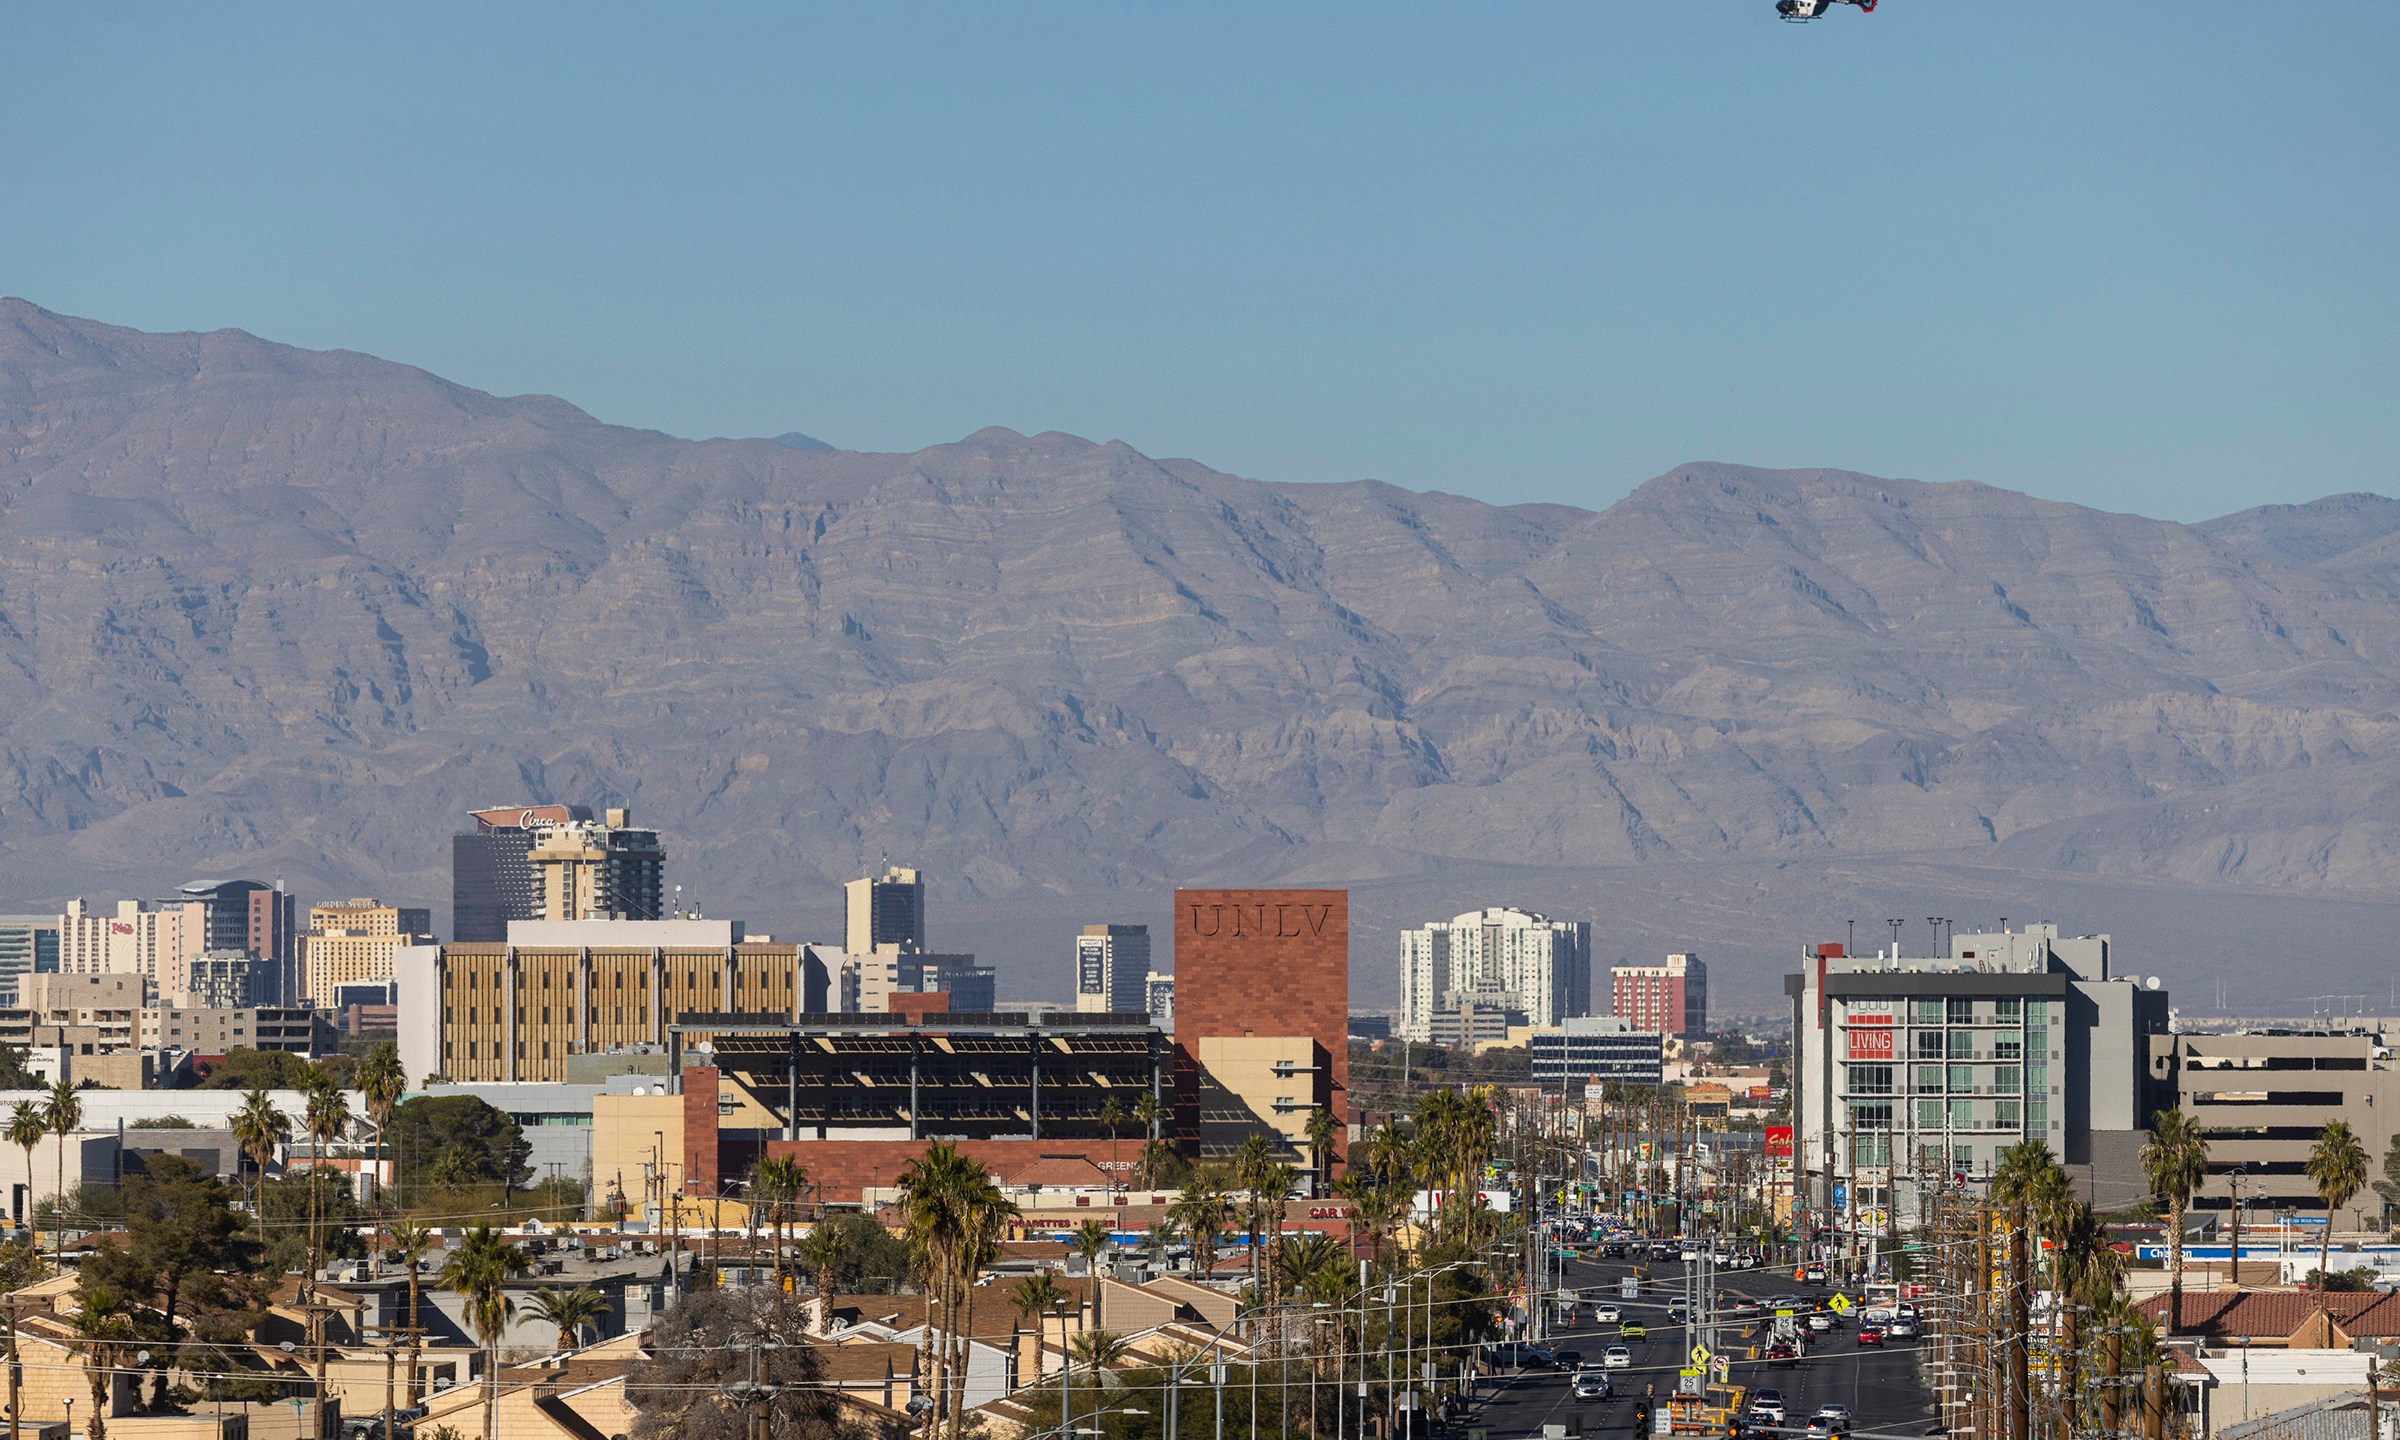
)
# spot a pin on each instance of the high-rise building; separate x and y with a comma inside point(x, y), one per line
point(1112, 969)
point(28, 946)
point(221, 979)
point(1262, 1017)
point(1596, 1050)
point(352, 942)
point(603, 869)
point(253, 917)
point(492, 876)
point(886, 911)
point(152, 939)
point(1671, 999)
point(1159, 987)
point(1496, 959)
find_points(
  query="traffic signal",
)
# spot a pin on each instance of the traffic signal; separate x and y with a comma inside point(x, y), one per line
point(1641, 1417)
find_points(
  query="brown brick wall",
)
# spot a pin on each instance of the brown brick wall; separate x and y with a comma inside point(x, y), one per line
point(846, 1167)
point(700, 1175)
point(1262, 962)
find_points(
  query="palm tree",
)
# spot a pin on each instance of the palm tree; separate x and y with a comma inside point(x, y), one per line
point(328, 1115)
point(1321, 1132)
point(820, 1250)
point(569, 1310)
point(952, 1216)
point(26, 1127)
point(1202, 1210)
point(1091, 1241)
point(2337, 1164)
point(1112, 1119)
point(61, 1113)
point(2175, 1158)
point(407, 1243)
point(381, 1082)
point(258, 1127)
point(1146, 1111)
point(103, 1332)
point(1036, 1298)
point(479, 1270)
point(777, 1184)
point(1155, 1240)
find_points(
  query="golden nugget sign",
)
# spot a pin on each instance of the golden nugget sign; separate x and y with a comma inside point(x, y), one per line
point(1285, 920)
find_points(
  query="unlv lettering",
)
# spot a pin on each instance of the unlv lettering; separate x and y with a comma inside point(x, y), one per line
point(1292, 921)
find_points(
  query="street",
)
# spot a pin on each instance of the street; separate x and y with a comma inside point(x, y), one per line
point(1883, 1387)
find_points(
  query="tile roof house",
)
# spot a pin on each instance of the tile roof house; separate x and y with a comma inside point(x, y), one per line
point(2298, 1319)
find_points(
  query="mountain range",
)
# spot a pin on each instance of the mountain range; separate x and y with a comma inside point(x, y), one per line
point(278, 612)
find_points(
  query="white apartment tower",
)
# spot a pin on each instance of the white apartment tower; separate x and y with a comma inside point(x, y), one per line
point(1112, 969)
point(1511, 959)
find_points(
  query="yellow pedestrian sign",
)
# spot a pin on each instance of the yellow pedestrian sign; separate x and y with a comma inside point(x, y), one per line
point(1701, 1357)
point(1839, 1304)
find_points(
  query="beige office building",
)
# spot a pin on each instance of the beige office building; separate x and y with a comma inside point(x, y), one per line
point(353, 941)
point(152, 940)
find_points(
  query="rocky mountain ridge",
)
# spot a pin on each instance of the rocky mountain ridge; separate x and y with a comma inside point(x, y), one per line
point(266, 610)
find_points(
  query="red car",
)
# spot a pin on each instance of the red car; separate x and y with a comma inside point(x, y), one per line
point(1870, 1335)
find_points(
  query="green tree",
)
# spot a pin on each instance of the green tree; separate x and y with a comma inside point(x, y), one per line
point(1202, 1211)
point(13, 1074)
point(1322, 1130)
point(2389, 1186)
point(853, 1255)
point(163, 1122)
point(1038, 1298)
point(381, 1082)
point(258, 1070)
point(458, 1140)
point(1147, 1114)
point(104, 1331)
point(327, 1117)
point(2337, 1166)
point(1112, 1118)
point(479, 1271)
point(186, 1255)
point(2175, 1158)
point(952, 1216)
point(570, 1311)
point(26, 1130)
point(61, 1113)
point(258, 1128)
point(776, 1184)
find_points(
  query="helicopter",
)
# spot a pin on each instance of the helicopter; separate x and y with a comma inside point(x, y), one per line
point(1811, 9)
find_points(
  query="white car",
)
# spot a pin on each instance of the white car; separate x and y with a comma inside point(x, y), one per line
point(1592, 1385)
point(1606, 1315)
point(1616, 1357)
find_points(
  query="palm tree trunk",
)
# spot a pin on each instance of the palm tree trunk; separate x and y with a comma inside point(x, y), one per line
point(2324, 1254)
point(491, 1387)
point(416, 1339)
point(2175, 1246)
point(58, 1206)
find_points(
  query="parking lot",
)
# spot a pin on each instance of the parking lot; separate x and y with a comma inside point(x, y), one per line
point(1883, 1387)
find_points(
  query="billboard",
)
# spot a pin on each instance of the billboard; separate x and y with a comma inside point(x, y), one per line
point(1871, 1044)
point(1779, 1142)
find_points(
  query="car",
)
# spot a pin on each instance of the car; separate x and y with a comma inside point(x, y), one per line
point(1783, 1352)
point(1606, 1315)
point(1592, 1385)
point(1679, 1312)
point(1814, 1275)
point(1538, 1357)
point(1821, 1321)
point(1835, 1419)
point(1870, 1335)
point(1631, 1330)
point(1616, 1357)
point(1742, 1305)
point(1901, 1328)
point(1567, 1359)
point(1766, 1406)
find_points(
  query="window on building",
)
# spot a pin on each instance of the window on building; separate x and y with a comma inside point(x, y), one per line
point(1929, 1114)
point(1929, 1078)
point(1962, 1044)
point(1962, 1114)
point(1871, 1115)
point(1929, 1011)
point(2007, 1114)
point(2008, 1080)
point(2008, 1044)
point(1871, 1079)
point(2007, 1008)
point(1962, 1079)
point(1962, 1158)
point(1929, 1045)
point(1962, 1011)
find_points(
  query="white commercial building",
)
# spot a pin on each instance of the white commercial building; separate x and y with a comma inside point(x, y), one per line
point(1509, 959)
point(152, 940)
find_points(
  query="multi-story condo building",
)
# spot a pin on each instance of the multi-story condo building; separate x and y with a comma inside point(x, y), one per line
point(223, 980)
point(1596, 1050)
point(28, 946)
point(492, 876)
point(1921, 1071)
point(1112, 969)
point(1499, 959)
point(2262, 1097)
point(1671, 999)
point(556, 989)
point(251, 916)
point(603, 869)
point(885, 912)
point(352, 942)
point(1159, 990)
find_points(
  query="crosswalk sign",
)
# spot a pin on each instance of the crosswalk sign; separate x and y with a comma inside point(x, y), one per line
point(1839, 1304)
point(1701, 1357)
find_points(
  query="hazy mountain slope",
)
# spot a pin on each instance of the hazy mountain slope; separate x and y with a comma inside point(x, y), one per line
point(266, 610)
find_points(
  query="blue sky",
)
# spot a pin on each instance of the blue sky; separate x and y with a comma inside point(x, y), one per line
point(2138, 255)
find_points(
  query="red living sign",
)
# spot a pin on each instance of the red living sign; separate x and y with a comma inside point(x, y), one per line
point(1870, 1044)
